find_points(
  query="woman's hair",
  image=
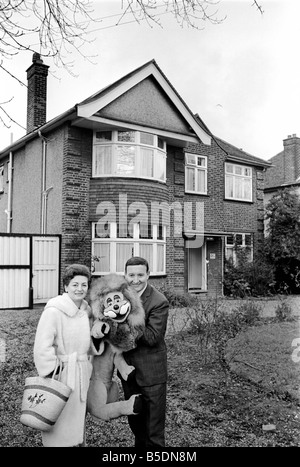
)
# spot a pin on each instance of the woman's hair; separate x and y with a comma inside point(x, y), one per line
point(136, 261)
point(75, 270)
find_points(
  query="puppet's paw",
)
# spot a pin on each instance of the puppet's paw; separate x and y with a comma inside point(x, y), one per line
point(138, 404)
point(127, 372)
point(99, 329)
point(99, 345)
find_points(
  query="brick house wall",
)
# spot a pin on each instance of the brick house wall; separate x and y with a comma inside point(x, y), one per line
point(82, 194)
point(72, 204)
point(75, 196)
point(285, 169)
point(77, 171)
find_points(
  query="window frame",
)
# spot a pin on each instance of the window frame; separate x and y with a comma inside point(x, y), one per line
point(115, 146)
point(235, 178)
point(234, 246)
point(136, 240)
point(197, 168)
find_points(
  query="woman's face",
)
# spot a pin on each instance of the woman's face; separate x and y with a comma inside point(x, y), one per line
point(77, 289)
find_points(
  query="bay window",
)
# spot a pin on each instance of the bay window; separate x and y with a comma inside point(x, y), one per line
point(129, 154)
point(119, 244)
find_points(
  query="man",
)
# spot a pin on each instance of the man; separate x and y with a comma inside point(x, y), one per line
point(149, 359)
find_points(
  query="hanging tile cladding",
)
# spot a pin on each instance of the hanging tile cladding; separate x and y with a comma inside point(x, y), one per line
point(77, 169)
point(146, 104)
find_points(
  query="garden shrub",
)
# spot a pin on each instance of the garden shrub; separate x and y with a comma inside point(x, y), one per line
point(249, 311)
point(246, 279)
point(283, 311)
point(215, 325)
point(282, 242)
point(177, 299)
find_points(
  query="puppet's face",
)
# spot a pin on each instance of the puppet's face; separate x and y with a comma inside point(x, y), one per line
point(116, 307)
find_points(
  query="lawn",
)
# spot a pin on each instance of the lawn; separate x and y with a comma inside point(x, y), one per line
point(252, 400)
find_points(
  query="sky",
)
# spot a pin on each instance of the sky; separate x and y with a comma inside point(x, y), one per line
point(242, 75)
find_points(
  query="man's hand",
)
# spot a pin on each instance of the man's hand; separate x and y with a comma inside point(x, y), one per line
point(99, 329)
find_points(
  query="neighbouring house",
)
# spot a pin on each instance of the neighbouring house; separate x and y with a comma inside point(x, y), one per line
point(284, 171)
point(129, 171)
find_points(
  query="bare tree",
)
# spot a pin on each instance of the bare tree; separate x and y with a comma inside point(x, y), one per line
point(54, 27)
point(191, 13)
point(50, 27)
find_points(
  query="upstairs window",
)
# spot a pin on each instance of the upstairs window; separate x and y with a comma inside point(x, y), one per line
point(195, 174)
point(129, 154)
point(238, 182)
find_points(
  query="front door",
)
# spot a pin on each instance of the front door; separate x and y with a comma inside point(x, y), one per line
point(196, 257)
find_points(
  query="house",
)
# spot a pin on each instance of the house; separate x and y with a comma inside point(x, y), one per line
point(129, 171)
point(284, 170)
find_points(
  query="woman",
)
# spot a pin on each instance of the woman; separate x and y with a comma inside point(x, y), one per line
point(63, 341)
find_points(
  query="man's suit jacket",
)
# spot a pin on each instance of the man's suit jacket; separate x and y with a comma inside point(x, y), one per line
point(150, 356)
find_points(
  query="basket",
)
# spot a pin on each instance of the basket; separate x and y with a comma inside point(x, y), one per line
point(43, 401)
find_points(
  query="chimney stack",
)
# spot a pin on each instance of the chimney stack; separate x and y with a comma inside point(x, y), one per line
point(291, 158)
point(37, 93)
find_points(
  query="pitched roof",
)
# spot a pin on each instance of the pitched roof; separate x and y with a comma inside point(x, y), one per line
point(275, 175)
point(285, 169)
point(238, 155)
point(102, 98)
point(88, 107)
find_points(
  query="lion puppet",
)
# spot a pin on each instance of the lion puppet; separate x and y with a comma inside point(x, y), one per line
point(119, 322)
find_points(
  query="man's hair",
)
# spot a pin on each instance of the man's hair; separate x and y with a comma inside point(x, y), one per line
point(137, 261)
point(75, 270)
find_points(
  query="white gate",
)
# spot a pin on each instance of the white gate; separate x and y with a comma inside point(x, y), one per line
point(29, 269)
point(45, 268)
point(15, 271)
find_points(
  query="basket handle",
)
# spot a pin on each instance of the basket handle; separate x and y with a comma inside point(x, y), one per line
point(58, 367)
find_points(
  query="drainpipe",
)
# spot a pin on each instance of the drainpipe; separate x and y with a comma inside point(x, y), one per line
point(9, 195)
point(45, 202)
point(44, 149)
point(45, 191)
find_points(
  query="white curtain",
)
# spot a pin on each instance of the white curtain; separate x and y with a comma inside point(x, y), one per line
point(102, 251)
point(103, 160)
point(123, 253)
point(146, 162)
point(146, 251)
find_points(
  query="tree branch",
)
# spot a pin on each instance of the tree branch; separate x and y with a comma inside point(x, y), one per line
point(10, 119)
point(259, 7)
point(55, 27)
